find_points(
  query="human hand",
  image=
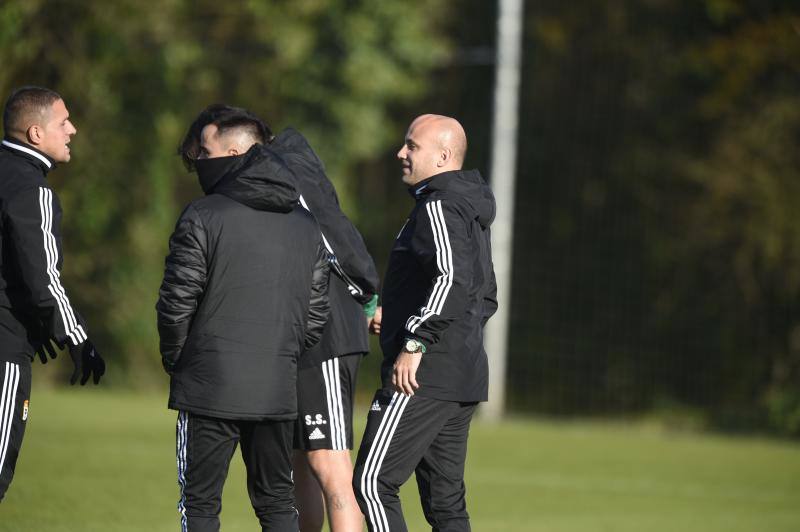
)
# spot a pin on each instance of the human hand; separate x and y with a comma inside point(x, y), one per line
point(169, 366)
point(374, 323)
point(87, 361)
point(44, 349)
point(404, 372)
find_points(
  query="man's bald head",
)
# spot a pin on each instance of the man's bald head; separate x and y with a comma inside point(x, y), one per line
point(449, 133)
point(433, 144)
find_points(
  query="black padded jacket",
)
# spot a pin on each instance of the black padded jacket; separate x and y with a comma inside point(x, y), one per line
point(244, 291)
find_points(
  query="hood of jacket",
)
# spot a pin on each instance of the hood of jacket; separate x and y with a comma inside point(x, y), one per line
point(259, 179)
point(291, 141)
point(468, 187)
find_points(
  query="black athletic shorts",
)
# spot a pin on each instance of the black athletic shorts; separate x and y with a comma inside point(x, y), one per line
point(325, 404)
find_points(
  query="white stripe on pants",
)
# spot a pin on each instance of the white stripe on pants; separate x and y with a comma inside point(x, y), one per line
point(8, 400)
point(377, 452)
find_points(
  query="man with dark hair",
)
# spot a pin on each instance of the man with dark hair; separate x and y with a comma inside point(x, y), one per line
point(327, 373)
point(226, 118)
point(438, 293)
point(244, 292)
point(34, 308)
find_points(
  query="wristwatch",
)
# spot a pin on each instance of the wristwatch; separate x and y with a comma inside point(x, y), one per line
point(413, 346)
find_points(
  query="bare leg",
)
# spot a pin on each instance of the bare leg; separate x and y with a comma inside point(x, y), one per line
point(308, 495)
point(334, 472)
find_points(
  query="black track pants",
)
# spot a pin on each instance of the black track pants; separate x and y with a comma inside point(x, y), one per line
point(15, 392)
point(205, 446)
point(419, 435)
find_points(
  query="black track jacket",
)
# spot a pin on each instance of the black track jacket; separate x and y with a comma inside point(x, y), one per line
point(245, 288)
point(355, 278)
point(33, 303)
point(440, 286)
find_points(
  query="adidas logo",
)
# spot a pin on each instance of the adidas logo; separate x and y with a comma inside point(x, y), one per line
point(316, 435)
point(375, 407)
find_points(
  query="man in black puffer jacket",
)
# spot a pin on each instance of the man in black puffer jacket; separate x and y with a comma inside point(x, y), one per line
point(326, 376)
point(244, 292)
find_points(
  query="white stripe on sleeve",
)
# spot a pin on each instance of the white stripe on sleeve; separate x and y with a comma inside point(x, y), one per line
point(71, 326)
point(444, 263)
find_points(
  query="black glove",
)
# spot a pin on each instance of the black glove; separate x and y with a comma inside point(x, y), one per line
point(45, 348)
point(87, 362)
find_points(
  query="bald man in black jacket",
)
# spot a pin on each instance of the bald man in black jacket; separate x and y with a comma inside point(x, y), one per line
point(439, 291)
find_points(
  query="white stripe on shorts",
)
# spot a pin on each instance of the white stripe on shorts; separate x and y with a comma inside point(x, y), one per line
point(333, 393)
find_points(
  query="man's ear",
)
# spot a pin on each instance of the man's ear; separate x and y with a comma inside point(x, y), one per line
point(232, 152)
point(35, 134)
point(444, 157)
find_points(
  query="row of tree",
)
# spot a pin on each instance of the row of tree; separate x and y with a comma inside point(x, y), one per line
point(657, 249)
point(135, 75)
point(657, 256)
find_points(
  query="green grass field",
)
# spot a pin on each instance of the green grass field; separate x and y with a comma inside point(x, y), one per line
point(100, 461)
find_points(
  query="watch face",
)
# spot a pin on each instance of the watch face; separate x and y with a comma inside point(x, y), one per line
point(412, 346)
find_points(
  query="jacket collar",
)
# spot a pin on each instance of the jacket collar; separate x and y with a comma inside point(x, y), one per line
point(420, 189)
point(29, 152)
point(426, 186)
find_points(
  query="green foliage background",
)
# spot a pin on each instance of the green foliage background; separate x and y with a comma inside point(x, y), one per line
point(134, 74)
point(659, 215)
point(657, 253)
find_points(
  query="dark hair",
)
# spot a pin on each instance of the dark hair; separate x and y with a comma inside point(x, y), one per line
point(226, 118)
point(23, 104)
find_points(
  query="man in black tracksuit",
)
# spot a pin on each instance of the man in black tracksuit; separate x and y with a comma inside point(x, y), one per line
point(438, 293)
point(244, 291)
point(34, 308)
point(327, 372)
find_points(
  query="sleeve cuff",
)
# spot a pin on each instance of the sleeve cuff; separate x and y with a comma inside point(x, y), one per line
point(371, 306)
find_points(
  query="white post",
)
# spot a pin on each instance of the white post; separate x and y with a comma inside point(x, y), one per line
point(502, 178)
